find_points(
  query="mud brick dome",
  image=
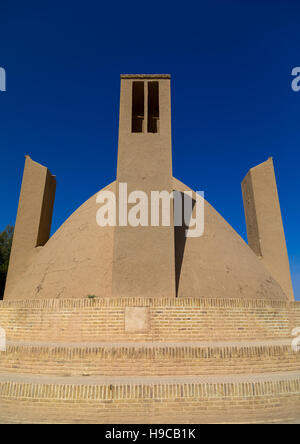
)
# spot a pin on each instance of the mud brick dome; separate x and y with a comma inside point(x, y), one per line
point(180, 329)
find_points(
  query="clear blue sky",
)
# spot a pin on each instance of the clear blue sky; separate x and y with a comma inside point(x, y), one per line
point(232, 102)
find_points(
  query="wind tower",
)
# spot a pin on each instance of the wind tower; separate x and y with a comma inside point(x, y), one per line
point(144, 256)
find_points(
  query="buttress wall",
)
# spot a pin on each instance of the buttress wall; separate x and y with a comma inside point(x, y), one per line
point(34, 217)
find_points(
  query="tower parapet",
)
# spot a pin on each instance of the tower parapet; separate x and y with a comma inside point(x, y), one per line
point(264, 223)
point(34, 217)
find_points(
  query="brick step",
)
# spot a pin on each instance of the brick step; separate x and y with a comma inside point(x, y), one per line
point(246, 398)
point(146, 359)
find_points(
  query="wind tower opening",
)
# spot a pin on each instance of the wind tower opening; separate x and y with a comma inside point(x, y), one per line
point(138, 107)
point(153, 107)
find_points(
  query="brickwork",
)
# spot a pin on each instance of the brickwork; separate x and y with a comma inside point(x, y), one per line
point(262, 397)
point(181, 403)
point(150, 361)
point(170, 320)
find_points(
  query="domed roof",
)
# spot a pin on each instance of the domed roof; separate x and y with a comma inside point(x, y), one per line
point(77, 261)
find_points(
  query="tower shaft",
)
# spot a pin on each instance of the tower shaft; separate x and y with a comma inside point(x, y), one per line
point(144, 256)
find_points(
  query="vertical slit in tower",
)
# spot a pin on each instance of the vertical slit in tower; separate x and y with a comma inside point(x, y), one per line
point(153, 107)
point(137, 107)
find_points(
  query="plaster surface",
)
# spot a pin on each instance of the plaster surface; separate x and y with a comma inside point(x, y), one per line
point(77, 261)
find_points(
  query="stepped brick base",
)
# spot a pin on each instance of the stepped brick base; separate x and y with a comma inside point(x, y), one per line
point(194, 361)
point(149, 361)
point(170, 320)
point(180, 403)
